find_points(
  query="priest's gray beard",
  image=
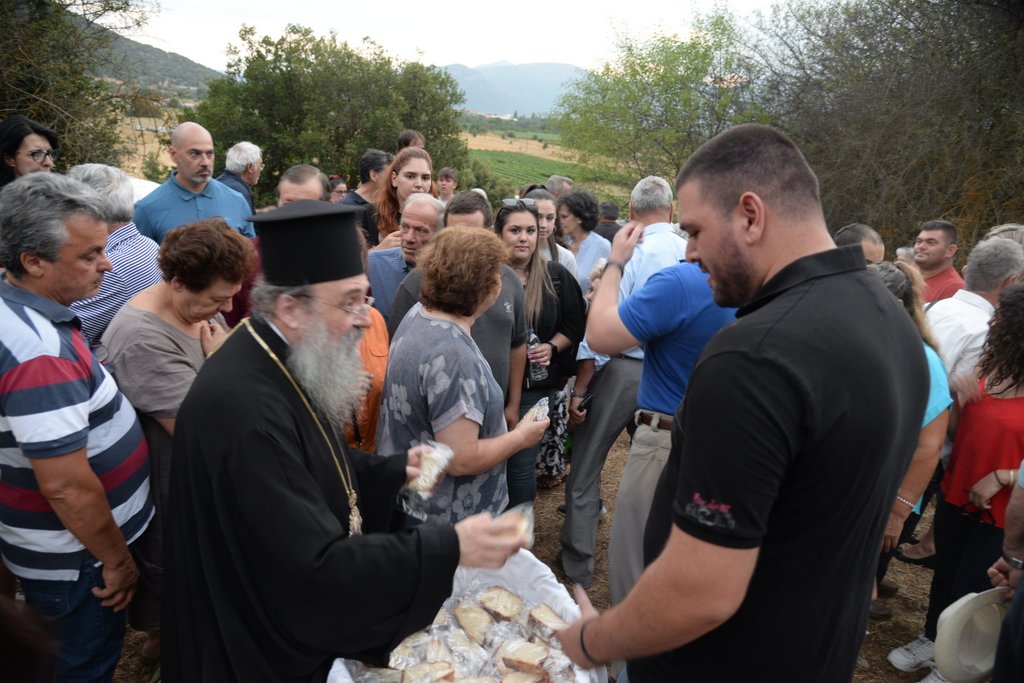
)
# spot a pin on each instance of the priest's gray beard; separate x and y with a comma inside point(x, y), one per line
point(330, 372)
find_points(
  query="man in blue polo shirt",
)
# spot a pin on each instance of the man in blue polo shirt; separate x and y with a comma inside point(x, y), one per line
point(673, 315)
point(191, 193)
point(74, 465)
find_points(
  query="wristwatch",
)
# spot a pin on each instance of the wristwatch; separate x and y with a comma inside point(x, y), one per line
point(1013, 562)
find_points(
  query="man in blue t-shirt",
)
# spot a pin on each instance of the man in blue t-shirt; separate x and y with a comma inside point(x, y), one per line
point(191, 193)
point(673, 315)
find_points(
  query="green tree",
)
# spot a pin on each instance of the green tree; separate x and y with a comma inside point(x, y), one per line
point(51, 51)
point(309, 99)
point(647, 109)
point(907, 109)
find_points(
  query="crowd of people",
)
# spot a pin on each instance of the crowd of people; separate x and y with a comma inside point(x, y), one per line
point(210, 412)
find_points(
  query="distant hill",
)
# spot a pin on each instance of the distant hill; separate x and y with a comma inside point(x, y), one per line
point(503, 89)
point(152, 67)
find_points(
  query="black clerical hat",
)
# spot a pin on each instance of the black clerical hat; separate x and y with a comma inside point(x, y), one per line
point(306, 242)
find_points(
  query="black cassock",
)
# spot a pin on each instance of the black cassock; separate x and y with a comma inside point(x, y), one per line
point(262, 581)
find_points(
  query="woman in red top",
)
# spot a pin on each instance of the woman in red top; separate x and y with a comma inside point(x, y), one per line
point(987, 451)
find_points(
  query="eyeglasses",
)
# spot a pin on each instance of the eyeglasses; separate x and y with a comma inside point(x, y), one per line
point(38, 155)
point(516, 203)
point(352, 309)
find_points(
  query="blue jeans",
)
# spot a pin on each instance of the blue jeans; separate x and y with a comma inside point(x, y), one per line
point(89, 637)
point(521, 467)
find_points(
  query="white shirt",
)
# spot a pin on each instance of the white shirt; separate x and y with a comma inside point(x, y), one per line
point(960, 324)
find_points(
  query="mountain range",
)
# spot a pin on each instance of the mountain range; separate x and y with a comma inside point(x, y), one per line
point(502, 89)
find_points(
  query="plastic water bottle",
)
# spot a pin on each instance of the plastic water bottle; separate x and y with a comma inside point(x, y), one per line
point(538, 372)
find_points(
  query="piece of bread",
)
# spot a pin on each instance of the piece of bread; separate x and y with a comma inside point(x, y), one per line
point(523, 677)
point(501, 603)
point(474, 620)
point(429, 672)
point(461, 643)
point(543, 617)
point(525, 656)
point(434, 459)
point(437, 651)
point(442, 617)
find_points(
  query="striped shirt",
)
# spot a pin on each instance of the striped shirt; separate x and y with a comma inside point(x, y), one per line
point(133, 257)
point(55, 398)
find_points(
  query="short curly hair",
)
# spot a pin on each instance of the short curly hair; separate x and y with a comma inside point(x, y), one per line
point(200, 253)
point(581, 204)
point(458, 266)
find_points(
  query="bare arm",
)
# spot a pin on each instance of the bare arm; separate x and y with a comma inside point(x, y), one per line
point(692, 588)
point(79, 501)
point(922, 466)
point(605, 331)
point(473, 455)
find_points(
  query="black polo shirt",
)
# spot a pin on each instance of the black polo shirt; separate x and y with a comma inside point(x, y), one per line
point(795, 432)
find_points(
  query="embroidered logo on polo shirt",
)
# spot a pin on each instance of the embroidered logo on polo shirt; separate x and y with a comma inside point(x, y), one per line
point(710, 513)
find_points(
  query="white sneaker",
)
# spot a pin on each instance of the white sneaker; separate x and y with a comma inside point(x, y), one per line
point(934, 677)
point(914, 655)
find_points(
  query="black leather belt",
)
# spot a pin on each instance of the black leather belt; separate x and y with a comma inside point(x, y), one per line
point(650, 418)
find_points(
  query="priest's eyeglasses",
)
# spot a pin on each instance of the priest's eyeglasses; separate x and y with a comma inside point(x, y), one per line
point(351, 309)
point(39, 154)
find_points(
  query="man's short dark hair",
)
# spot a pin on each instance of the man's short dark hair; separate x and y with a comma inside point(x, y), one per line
point(609, 210)
point(855, 233)
point(301, 174)
point(949, 230)
point(753, 158)
point(408, 136)
point(466, 203)
point(448, 172)
point(373, 160)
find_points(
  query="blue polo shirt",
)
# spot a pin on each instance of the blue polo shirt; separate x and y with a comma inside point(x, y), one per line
point(171, 206)
point(674, 315)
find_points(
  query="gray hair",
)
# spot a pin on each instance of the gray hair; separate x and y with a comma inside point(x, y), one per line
point(263, 296)
point(433, 202)
point(33, 213)
point(651, 194)
point(991, 262)
point(556, 184)
point(113, 184)
point(241, 155)
point(1008, 231)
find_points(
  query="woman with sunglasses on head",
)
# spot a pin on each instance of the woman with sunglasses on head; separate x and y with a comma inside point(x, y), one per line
point(576, 218)
point(27, 147)
point(983, 468)
point(554, 310)
point(548, 241)
point(409, 173)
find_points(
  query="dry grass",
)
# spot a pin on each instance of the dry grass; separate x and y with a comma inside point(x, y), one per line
point(908, 605)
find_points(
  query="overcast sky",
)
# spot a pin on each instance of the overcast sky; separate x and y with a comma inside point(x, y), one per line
point(441, 32)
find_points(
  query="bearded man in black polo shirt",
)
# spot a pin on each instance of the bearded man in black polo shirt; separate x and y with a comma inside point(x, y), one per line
point(795, 431)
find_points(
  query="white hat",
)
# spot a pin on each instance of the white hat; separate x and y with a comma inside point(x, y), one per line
point(968, 633)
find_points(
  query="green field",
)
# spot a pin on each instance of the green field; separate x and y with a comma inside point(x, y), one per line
point(523, 168)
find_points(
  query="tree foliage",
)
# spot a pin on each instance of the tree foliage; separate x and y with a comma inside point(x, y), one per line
point(52, 50)
point(309, 99)
point(907, 109)
point(645, 111)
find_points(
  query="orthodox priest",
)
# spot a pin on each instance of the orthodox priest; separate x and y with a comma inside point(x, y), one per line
point(281, 549)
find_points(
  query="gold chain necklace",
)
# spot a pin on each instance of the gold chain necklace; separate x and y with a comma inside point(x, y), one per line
point(355, 520)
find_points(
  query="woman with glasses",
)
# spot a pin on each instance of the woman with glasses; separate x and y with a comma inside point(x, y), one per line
point(27, 147)
point(987, 452)
point(157, 343)
point(554, 310)
point(576, 218)
point(440, 388)
point(409, 173)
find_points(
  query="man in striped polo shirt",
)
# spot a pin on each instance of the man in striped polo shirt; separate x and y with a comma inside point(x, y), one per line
point(74, 469)
point(132, 255)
